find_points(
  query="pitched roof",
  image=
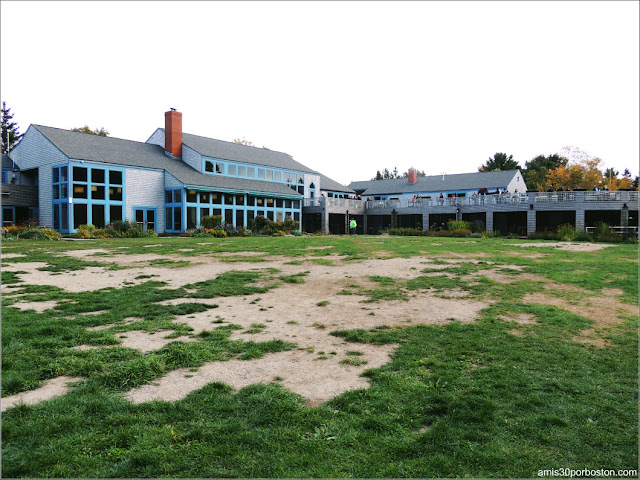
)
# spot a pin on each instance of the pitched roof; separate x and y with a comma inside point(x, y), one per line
point(437, 183)
point(332, 186)
point(210, 147)
point(7, 162)
point(94, 148)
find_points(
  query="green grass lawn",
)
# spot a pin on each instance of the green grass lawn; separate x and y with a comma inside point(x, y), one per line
point(457, 400)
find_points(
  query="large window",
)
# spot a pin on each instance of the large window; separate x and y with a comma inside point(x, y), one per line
point(86, 194)
point(173, 209)
point(184, 208)
point(232, 169)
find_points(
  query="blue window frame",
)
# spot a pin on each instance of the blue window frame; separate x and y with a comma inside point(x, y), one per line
point(216, 166)
point(146, 218)
point(173, 203)
point(185, 207)
point(87, 194)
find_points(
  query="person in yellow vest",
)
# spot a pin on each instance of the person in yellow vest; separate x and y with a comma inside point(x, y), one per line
point(352, 226)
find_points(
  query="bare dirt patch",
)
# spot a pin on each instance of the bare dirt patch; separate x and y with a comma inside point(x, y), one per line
point(603, 311)
point(612, 292)
point(569, 246)
point(521, 319)
point(50, 389)
point(97, 312)
point(316, 369)
point(12, 255)
point(95, 278)
point(240, 254)
point(127, 321)
point(590, 337)
point(315, 380)
point(37, 306)
point(84, 348)
point(148, 342)
point(499, 276)
point(84, 253)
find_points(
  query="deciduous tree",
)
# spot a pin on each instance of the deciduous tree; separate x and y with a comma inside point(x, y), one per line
point(243, 141)
point(584, 173)
point(101, 132)
point(537, 169)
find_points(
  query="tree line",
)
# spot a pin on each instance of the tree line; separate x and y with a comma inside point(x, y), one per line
point(551, 172)
point(385, 174)
point(557, 172)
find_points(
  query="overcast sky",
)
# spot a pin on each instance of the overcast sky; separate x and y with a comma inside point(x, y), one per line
point(346, 88)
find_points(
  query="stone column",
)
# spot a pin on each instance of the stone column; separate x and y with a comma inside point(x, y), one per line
point(489, 225)
point(624, 216)
point(324, 216)
point(579, 220)
point(425, 221)
point(531, 220)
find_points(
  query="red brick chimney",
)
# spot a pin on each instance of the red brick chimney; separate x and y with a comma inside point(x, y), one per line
point(413, 175)
point(173, 132)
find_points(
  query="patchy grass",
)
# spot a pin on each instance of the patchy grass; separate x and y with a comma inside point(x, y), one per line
point(457, 400)
point(295, 278)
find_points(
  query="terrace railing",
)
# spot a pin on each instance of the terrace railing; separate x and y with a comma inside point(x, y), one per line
point(489, 199)
point(506, 198)
point(333, 202)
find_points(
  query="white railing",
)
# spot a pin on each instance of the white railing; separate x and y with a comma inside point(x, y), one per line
point(506, 198)
point(618, 229)
point(472, 200)
point(311, 202)
point(333, 202)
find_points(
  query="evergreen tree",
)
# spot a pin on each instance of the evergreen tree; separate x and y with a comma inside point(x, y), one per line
point(500, 161)
point(10, 127)
point(387, 175)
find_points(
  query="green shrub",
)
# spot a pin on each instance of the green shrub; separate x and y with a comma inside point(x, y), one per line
point(461, 232)
point(410, 232)
point(29, 232)
point(116, 229)
point(566, 232)
point(33, 234)
point(543, 236)
point(217, 232)
point(601, 228)
point(264, 226)
point(458, 224)
point(211, 221)
point(86, 231)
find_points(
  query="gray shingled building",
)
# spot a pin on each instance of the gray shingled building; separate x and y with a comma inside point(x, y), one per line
point(167, 183)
